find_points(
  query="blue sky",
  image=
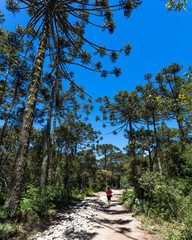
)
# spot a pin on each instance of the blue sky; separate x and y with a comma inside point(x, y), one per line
point(158, 39)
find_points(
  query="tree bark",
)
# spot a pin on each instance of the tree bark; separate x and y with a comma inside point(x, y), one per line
point(5, 84)
point(7, 116)
point(14, 194)
point(150, 157)
point(180, 126)
point(159, 165)
point(44, 168)
point(157, 145)
point(67, 179)
point(105, 159)
point(132, 140)
point(53, 163)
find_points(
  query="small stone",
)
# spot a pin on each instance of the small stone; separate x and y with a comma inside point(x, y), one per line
point(69, 231)
point(154, 229)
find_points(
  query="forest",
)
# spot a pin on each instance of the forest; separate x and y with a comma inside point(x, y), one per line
point(50, 153)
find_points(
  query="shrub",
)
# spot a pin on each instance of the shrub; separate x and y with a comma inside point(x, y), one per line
point(3, 212)
point(165, 198)
point(185, 234)
point(128, 198)
point(6, 231)
point(88, 191)
point(2, 197)
point(33, 201)
point(125, 182)
point(76, 193)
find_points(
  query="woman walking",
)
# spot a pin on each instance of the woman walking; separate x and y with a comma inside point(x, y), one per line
point(109, 192)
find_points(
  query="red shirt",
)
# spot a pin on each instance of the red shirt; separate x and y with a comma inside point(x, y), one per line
point(108, 192)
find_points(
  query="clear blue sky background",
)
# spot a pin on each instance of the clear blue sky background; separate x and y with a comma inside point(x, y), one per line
point(158, 39)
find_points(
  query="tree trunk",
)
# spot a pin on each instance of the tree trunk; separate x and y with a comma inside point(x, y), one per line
point(150, 157)
point(67, 181)
point(14, 194)
point(5, 84)
point(105, 159)
point(150, 160)
point(134, 168)
point(53, 176)
point(53, 164)
point(7, 116)
point(132, 140)
point(5, 154)
point(157, 145)
point(159, 165)
point(181, 130)
point(53, 160)
point(44, 168)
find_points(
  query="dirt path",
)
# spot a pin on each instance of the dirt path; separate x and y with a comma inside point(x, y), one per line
point(92, 219)
point(115, 222)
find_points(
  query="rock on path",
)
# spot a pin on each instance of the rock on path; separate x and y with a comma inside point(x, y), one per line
point(92, 219)
point(77, 223)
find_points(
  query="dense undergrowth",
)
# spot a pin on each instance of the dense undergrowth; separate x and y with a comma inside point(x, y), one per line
point(165, 202)
point(35, 210)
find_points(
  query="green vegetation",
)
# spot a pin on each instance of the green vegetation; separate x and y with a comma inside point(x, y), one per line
point(47, 149)
point(160, 168)
point(50, 155)
point(166, 199)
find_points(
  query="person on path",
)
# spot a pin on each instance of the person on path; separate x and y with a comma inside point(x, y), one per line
point(109, 192)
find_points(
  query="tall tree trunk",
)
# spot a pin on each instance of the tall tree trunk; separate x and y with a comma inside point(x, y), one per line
point(5, 84)
point(14, 194)
point(159, 165)
point(54, 172)
point(105, 159)
point(5, 154)
point(44, 168)
point(53, 164)
point(150, 157)
point(67, 179)
point(132, 140)
point(7, 116)
point(150, 160)
point(132, 148)
point(53, 160)
point(180, 126)
point(3, 130)
point(134, 170)
point(157, 145)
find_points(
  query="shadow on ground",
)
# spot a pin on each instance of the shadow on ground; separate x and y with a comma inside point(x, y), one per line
point(122, 225)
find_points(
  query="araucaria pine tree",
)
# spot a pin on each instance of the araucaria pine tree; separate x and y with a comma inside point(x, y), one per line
point(54, 18)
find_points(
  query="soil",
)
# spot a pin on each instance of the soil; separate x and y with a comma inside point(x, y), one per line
point(116, 223)
point(93, 219)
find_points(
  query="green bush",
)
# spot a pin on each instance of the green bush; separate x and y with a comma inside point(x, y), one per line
point(2, 198)
point(125, 182)
point(185, 234)
point(167, 200)
point(6, 231)
point(88, 191)
point(173, 236)
point(76, 193)
point(32, 200)
point(127, 199)
point(3, 212)
point(165, 197)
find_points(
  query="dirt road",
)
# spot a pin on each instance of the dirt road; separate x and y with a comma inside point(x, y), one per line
point(115, 222)
point(92, 219)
